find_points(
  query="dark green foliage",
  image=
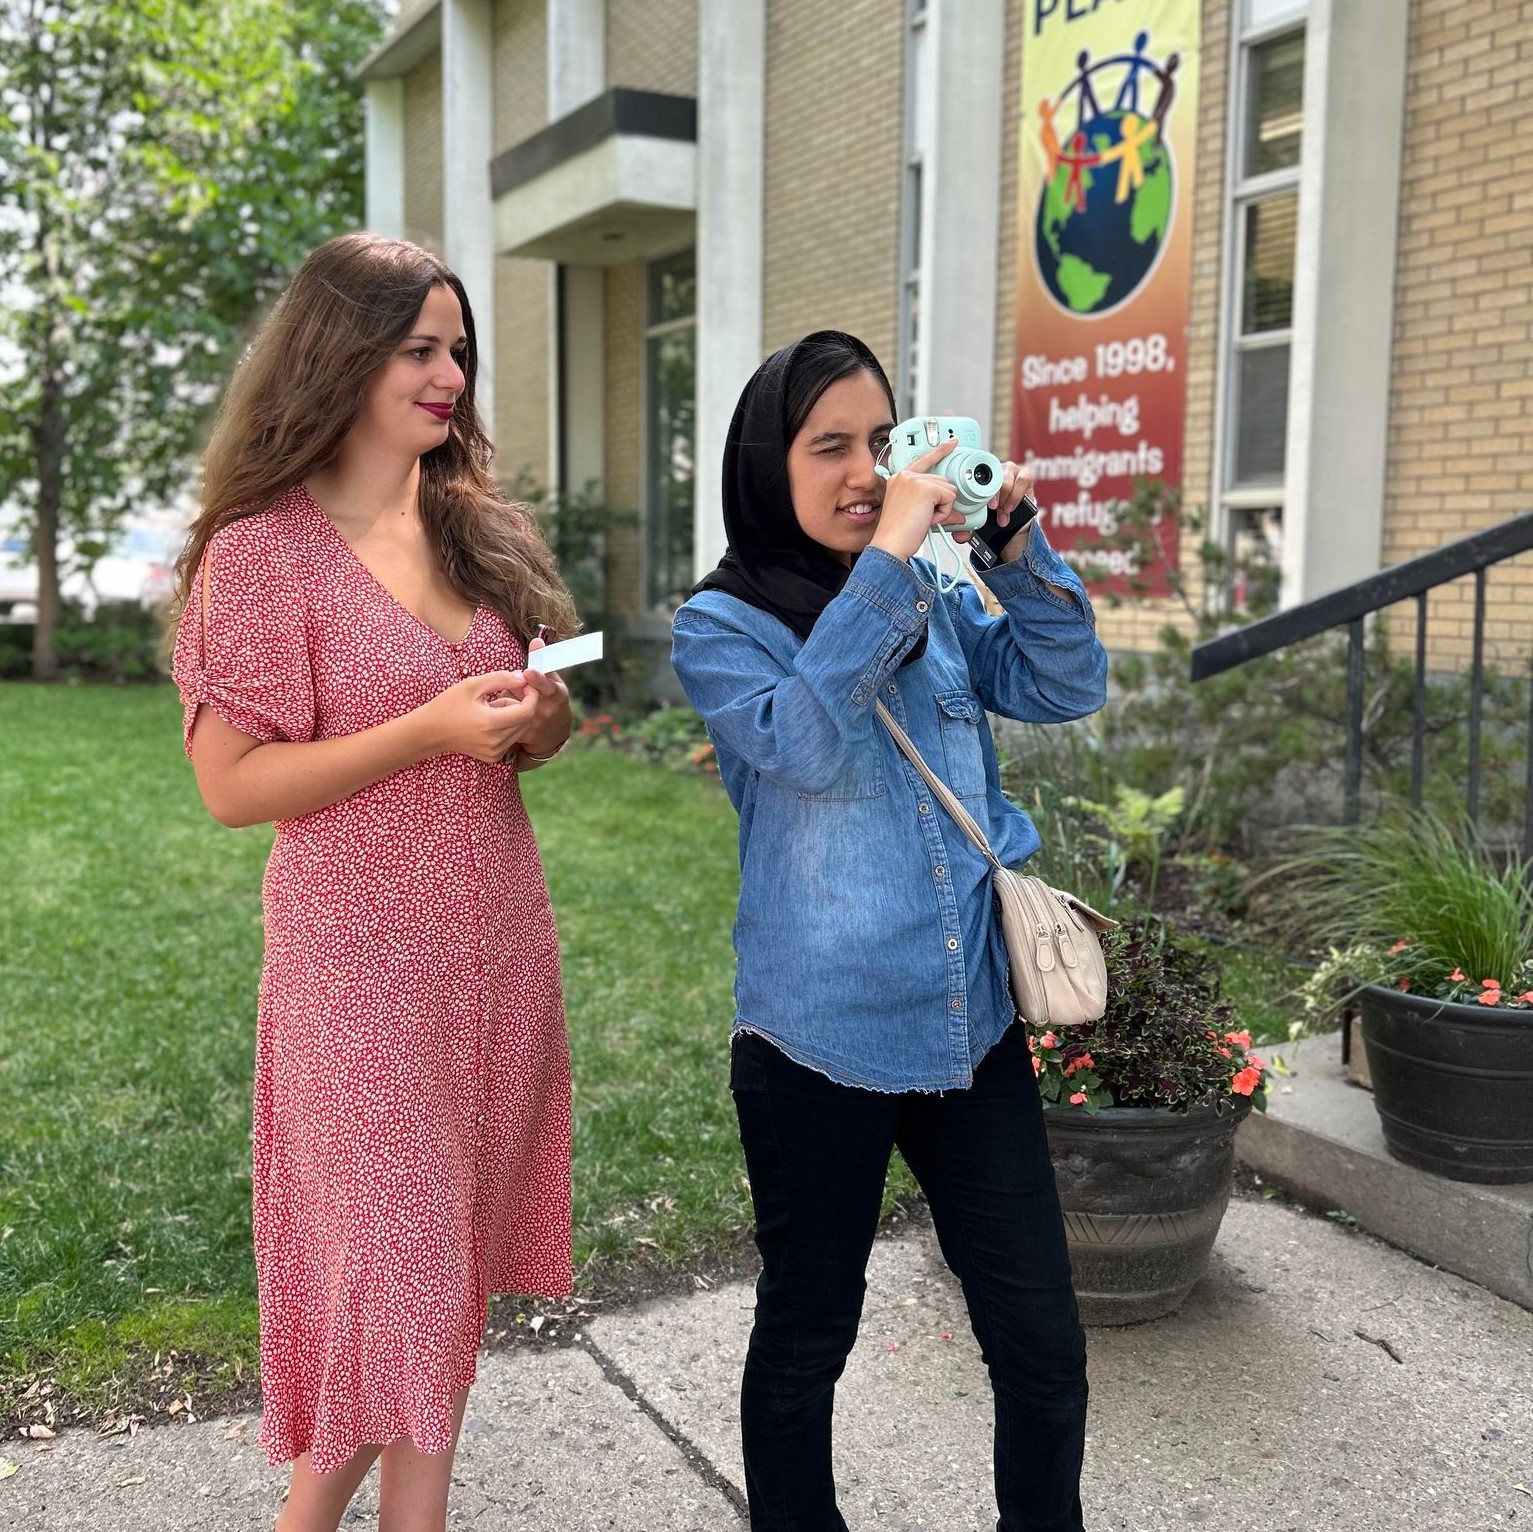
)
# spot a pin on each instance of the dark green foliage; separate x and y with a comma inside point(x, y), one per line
point(164, 167)
point(1263, 744)
point(120, 643)
point(1162, 1041)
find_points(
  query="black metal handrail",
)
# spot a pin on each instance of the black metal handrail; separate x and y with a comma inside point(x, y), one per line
point(1350, 606)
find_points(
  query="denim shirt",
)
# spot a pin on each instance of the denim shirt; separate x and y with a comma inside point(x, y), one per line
point(867, 943)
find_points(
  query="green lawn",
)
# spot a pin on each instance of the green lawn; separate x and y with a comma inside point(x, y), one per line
point(130, 946)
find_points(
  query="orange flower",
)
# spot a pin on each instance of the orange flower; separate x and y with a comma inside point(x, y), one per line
point(1490, 984)
point(1242, 1039)
point(1256, 1063)
point(1489, 997)
point(1078, 1099)
point(1037, 1065)
point(1402, 983)
point(1087, 1062)
point(1457, 976)
point(1049, 1040)
point(1526, 997)
point(1245, 1083)
point(1398, 947)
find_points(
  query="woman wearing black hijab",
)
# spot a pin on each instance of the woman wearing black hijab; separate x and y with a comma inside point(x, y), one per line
point(872, 1001)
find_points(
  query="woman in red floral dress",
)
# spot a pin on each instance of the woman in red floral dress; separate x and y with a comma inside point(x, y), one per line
point(358, 604)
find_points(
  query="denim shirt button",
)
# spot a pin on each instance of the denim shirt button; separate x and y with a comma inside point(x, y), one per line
point(926, 808)
point(939, 872)
point(893, 689)
point(922, 606)
point(952, 944)
point(955, 1004)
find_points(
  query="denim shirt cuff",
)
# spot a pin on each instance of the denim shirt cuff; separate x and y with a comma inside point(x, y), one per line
point(899, 593)
point(893, 586)
point(1024, 578)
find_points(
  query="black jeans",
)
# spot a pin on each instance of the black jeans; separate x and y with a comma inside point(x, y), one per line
point(818, 1153)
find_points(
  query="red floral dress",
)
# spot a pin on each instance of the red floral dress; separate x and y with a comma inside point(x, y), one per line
point(412, 1090)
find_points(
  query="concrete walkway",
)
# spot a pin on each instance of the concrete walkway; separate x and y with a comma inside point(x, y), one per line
point(1316, 1379)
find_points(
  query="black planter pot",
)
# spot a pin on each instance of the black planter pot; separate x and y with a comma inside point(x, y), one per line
point(1143, 1191)
point(1453, 1085)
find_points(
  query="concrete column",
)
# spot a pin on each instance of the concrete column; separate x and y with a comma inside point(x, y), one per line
point(730, 174)
point(468, 128)
point(384, 119)
point(577, 54)
point(583, 391)
point(964, 61)
point(1344, 282)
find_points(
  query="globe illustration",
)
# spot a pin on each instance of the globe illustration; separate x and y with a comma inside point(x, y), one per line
point(1094, 251)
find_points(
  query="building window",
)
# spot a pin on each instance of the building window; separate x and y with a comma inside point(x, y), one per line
point(670, 395)
point(1266, 138)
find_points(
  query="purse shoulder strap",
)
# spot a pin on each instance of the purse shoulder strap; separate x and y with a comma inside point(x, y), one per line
point(962, 817)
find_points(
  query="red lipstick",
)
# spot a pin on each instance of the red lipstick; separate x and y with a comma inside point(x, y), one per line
point(441, 411)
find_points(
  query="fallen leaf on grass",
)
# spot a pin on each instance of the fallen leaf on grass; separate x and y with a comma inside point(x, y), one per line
point(237, 1429)
point(124, 1483)
point(1522, 1489)
point(7, 1468)
point(39, 1432)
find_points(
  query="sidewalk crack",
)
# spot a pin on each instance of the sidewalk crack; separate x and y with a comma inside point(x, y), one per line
point(696, 1459)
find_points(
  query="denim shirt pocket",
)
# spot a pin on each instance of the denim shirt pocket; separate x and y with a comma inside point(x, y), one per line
point(958, 717)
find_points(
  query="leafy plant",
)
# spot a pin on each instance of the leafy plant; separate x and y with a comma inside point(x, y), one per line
point(163, 170)
point(1167, 1039)
point(1414, 902)
point(1261, 744)
point(1136, 826)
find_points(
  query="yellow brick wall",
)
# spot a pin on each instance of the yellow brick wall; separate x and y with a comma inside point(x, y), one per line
point(423, 153)
point(624, 478)
point(1460, 454)
point(652, 45)
point(523, 324)
point(521, 70)
point(1136, 626)
point(834, 89)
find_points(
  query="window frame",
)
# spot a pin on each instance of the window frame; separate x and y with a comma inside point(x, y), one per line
point(653, 330)
point(1239, 505)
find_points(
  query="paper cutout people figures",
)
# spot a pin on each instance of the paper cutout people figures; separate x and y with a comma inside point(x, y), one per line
point(1167, 78)
point(1046, 110)
point(1088, 109)
point(1128, 92)
point(1078, 160)
point(1134, 131)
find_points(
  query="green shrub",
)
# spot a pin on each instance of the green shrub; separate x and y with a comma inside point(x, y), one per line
point(121, 642)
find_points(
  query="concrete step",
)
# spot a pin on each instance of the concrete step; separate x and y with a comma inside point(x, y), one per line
point(1320, 1140)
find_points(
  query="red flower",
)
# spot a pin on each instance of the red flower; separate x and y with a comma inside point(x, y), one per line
point(1037, 1065)
point(1398, 947)
point(1242, 1039)
point(1048, 1040)
point(1087, 1062)
point(1402, 983)
point(1489, 997)
point(1526, 997)
point(1078, 1099)
point(1245, 1083)
point(1490, 984)
point(1457, 976)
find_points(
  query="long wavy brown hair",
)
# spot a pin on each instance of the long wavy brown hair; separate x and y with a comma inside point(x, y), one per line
point(299, 390)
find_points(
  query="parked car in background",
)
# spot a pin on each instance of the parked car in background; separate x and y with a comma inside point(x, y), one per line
point(139, 567)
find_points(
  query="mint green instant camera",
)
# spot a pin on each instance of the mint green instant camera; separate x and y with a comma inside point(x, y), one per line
point(973, 472)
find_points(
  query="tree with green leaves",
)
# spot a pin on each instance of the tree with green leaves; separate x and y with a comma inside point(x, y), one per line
point(164, 167)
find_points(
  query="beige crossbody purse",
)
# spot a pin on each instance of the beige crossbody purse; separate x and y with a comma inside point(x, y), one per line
point(1058, 973)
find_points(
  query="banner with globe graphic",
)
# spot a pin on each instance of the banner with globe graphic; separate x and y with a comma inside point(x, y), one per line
point(1108, 133)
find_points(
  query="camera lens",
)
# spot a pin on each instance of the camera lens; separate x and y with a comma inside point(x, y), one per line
point(982, 474)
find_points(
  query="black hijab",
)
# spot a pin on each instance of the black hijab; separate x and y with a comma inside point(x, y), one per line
point(771, 562)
